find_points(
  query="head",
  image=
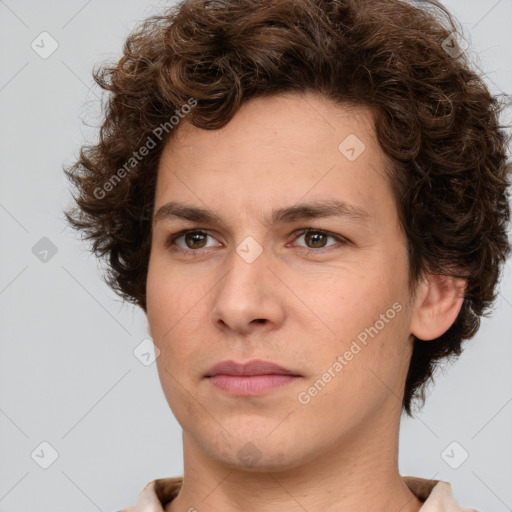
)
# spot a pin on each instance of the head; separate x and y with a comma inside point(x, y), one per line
point(247, 109)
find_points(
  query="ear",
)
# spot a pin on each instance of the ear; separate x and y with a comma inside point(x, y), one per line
point(438, 302)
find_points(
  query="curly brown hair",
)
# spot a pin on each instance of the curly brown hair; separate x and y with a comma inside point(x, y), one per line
point(436, 121)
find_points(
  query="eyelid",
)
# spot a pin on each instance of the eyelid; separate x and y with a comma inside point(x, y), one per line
point(340, 239)
point(174, 236)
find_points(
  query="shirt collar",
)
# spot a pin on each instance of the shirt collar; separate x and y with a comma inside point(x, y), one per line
point(436, 495)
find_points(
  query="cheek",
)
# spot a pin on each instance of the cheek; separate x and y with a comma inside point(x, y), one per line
point(175, 316)
point(352, 300)
point(366, 313)
point(172, 301)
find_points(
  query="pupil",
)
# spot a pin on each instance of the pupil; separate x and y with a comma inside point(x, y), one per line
point(194, 237)
point(315, 236)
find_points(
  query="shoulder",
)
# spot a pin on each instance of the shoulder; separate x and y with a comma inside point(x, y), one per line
point(437, 495)
point(155, 495)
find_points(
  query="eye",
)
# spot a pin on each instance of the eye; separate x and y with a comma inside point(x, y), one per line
point(189, 240)
point(316, 239)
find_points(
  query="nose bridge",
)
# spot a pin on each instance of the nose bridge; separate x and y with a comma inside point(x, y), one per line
point(245, 294)
point(247, 274)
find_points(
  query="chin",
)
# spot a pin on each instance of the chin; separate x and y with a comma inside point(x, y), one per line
point(247, 452)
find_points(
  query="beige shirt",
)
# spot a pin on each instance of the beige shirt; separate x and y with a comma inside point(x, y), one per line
point(436, 495)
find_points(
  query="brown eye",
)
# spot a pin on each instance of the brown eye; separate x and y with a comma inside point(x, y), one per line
point(315, 239)
point(190, 241)
point(195, 239)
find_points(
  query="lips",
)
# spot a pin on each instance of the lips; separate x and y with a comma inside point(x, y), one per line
point(251, 368)
point(254, 378)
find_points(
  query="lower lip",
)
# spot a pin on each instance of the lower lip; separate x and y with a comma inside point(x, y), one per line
point(247, 385)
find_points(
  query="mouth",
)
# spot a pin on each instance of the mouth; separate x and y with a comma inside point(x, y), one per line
point(251, 368)
point(248, 379)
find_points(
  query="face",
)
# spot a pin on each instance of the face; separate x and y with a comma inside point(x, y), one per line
point(242, 270)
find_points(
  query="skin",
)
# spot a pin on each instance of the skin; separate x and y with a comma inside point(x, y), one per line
point(300, 310)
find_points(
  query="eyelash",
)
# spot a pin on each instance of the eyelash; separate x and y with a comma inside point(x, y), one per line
point(309, 251)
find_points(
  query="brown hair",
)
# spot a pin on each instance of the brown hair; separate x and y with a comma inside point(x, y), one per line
point(436, 121)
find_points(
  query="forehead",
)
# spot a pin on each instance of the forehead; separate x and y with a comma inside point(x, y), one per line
point(277, 148)
point(304, 123)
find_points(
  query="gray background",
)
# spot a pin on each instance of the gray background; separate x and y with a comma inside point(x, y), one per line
point(68, 373)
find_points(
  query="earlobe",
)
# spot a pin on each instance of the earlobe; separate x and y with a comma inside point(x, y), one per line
point(437, 305)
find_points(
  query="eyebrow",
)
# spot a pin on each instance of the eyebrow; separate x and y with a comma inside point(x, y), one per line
point(305, 211)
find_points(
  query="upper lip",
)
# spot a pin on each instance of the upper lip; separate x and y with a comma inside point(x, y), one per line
point(254, 367)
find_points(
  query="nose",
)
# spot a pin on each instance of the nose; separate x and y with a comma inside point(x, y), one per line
point(248, 297)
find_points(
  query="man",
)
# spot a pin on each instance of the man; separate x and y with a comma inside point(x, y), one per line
point(310, 205)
